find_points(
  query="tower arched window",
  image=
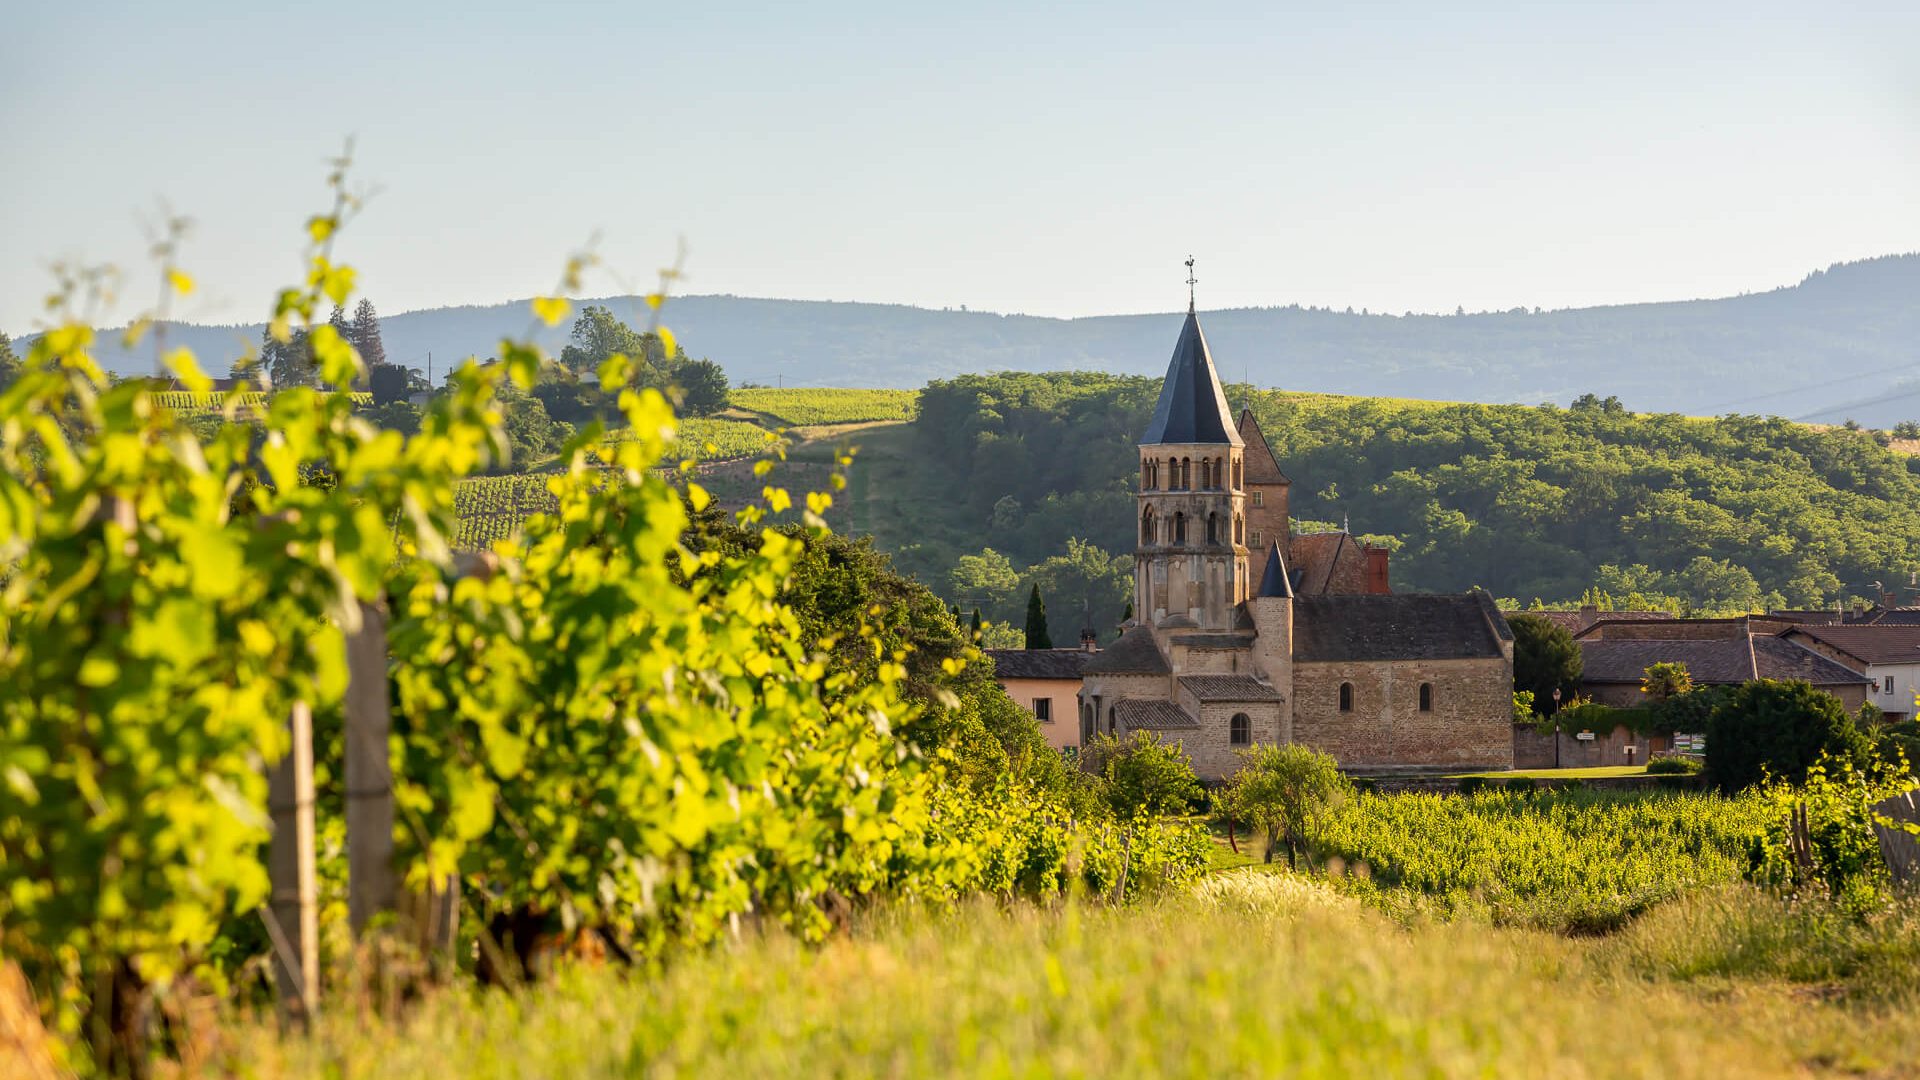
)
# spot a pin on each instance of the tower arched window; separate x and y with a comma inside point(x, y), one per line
point(1213, 528)
point(1240, 729)
point(1186, 474)
point(1239, 475)
point(1179, 527)
point(1146, 526)
point(1426, 697)
point(1346, 697)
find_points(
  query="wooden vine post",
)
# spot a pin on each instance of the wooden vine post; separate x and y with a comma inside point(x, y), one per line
point(371, 885)
point(293, 916)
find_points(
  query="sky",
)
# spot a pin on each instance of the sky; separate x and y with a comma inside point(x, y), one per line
point(1065, 161)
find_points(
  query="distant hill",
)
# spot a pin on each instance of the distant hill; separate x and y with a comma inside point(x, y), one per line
point(1844, 342)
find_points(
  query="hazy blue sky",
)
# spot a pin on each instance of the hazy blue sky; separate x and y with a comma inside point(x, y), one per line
point(1062, 161)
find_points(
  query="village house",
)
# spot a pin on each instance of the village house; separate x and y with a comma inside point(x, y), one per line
point(1246, 633)
point(1887, 654)
point(1045, 682)
point(1615, 654)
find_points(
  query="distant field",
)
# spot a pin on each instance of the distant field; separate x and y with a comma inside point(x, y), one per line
point(813, 407)
point(491, 508)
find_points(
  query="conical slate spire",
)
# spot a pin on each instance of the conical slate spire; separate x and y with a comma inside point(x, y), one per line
point(1274, 582)
point(1192, 408)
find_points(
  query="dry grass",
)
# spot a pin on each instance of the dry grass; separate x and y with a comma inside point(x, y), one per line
point(1252, 975)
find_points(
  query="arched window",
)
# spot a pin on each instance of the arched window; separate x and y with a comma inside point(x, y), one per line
point(1113, 719)
point(1213, 528)
point(1426, 697)
point(1146, 525)
point(1240, 729)
point(1179, 527)
point(1186, 474)
point(1346, 697)
point(1238, 475)
point(1239, 529)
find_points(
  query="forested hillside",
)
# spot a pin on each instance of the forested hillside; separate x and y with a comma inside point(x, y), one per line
point(1838, 344)
point(1721, 514)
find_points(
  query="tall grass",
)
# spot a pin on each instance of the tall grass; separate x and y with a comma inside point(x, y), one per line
point(1249, 975)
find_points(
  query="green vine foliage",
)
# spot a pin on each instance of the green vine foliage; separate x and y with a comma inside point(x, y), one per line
point(1841, 854)
point(612, 719)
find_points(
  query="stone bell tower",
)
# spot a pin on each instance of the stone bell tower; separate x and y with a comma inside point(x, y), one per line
point(1191, 562)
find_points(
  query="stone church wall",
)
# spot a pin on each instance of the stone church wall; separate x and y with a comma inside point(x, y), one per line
point(1470, 725)
point(1214, 755)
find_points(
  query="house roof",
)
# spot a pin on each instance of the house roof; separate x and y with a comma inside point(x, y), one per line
point(1136, 653)
point(1869, 643)
point(1139, 715)
point(1192, 407)
point(1228, 688)
point(1039, 663)
point(1885, 616)
point(1260, 466)
point(1575, 621)
point(1403, 626)
point(1721, 661)
point(1314, 556)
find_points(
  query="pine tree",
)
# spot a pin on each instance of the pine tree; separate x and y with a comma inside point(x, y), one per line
point(1037, 637)
point(365, 335)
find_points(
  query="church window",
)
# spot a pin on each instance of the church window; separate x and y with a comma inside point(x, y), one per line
point(1259, 498)
point(1146, 526)
point(1240, 729)
point(1239, 474)
point(1179, 527)
point(1239, 529)
point(1426, 697)
point(1346, 697)
point(1186, 474)
point(1213, 528)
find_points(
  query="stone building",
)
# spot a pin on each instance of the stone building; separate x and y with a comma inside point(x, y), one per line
point(1245, 633)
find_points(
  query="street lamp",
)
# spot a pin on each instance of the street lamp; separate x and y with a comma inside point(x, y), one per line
point(1556, 727)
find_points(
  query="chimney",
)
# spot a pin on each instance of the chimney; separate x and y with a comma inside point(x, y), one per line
point(1589, 614)
point(1089, 641)
point(1377, 571)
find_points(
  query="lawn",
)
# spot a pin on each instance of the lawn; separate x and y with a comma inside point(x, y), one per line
point(1594, 773)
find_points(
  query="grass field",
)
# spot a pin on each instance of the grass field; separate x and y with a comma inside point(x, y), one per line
point(1249, 975)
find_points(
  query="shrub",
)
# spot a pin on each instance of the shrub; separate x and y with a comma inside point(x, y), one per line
point(1521, 783)
point(1777, 729)
point(1472, 784)
point(1674, 765)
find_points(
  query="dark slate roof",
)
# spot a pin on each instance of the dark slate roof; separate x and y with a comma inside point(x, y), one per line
point(1228, 688)
point(1039, 663)
point(1404, 626)
point(1192, 407)
point(1899, 616)
point(1140, 715)
point(1721, 661)
point(1136, 653)
point(1260, 467)
point(1276, 581)
point(1870, 643)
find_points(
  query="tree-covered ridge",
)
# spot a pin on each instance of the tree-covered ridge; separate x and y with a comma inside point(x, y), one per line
point(1542, 502)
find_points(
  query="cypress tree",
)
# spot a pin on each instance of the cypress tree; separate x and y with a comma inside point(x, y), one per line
point(9, 363)
point(365, 335)
point(1037, 621)
point(974, 623)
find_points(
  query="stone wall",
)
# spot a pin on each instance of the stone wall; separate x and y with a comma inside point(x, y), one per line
point(1214, 755)
point(1469, 726)
point(1533, 750)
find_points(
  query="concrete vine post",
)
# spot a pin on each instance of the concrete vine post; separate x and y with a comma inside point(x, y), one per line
point(293, 917)
point(371, 886)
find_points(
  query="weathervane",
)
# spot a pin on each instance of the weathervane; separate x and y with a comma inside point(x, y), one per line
point(1191, 281)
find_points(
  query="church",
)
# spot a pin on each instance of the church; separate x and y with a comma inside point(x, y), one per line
point(1245, 633)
